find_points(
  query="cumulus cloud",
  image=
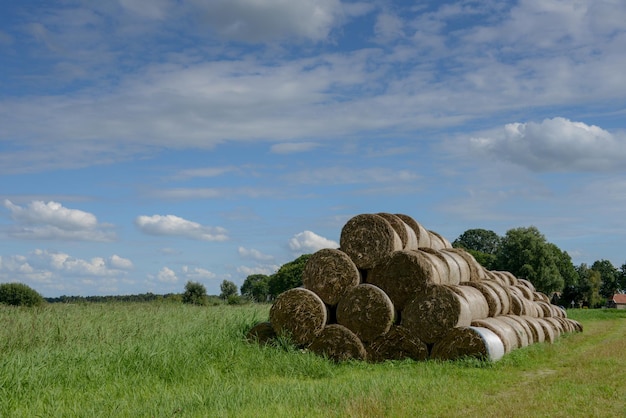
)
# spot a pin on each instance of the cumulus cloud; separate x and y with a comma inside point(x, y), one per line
point(308, 241)
point(197, 273)
point(51, 220)
point(260, 269)
point(556, 144)
point(254, 254)
point(171, 225)
point(167, 275)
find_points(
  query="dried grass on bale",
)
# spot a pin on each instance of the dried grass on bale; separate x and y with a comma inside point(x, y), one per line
point(477, 342)
point(526, 292)
point(338, 343)
point(502, 329)
point(439, 263)
point(540, 297)
point(431, 314)
point(471, 271)
point(479, 308)
point(517, 304)
point(398, 225)
point(510, 277)
point(422, 235)
point(549, 332)
point(558, 312)
point(402, 275)
point(556, 325)
point(367, 239)
point(330, 273)
point(538, 335)
point(491, 297)
point(532, 335)
point(437, 242)
point(567, 324)
point(298, 313)
point(261, 333)
point(546, 310)
point(578, 327)
point(500, 277)
point(397, 344)
point(527, 283)
point(503, 294)
point(367, 311)
point(523, 339)
point(457, 274)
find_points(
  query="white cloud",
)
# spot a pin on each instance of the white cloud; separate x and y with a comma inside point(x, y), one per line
point(309, 242)
point(293, 147)
point(388, 27)
point(120, 263)
point(51, 220)
point(254, 254)
point(167, 275)
point(261, 269)
point(556, 144)
point(172, 225)
point(197, 273)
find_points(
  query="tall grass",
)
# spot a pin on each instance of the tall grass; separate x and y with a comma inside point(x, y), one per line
point(165, 360)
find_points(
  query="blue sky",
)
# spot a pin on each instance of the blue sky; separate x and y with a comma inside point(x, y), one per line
point(147, 143)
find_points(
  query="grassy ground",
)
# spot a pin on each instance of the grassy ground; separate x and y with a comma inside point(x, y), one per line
point(172, 360)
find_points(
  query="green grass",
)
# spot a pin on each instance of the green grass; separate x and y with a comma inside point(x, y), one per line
point(173, 360)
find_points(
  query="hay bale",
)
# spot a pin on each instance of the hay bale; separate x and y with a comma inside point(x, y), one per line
point(459, 270)
point(540, 297)
point(299, 314)
point(538, 335)
point(479, 308)
point(503, 294)
point(529, 330)
point(438, 242)
point(521, 332)
point(367, 311)
point(338, 343)
point(398, 225)
point(510, 277)
point(440, 264)
point(546, 310)
point(477, 342)
point(330, 273)
point(397, 344)
point(491, 297)
point(518, 305)
point(496, 277)
point(476, 271)
point(502, 329)
point(422, 235)
point(261, 333)
point(558, 311)
point(567, 326)
point(434, 312)
point(526, 283)
point(578, 327)
point(548, 330)
point(367, 239)
point(402, 275)
point(525, 291)
point(556, 325)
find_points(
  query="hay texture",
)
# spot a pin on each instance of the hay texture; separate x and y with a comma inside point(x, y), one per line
point(476, 342)
point(476, 271)
point(465, 269)
point(368, 239)
point(521, 332)
point(507, 334)
point(491, 297)
point(330, 273)
point(399, 226)
point(338, 343)
point(367, 311)
point(261, 333)
point(440, 264)
point(422, 235)
point(437, 242)
point(397, 344)
point(475, 300)
point(503, 294)
point(299, 314)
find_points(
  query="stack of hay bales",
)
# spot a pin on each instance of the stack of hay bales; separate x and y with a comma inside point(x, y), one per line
point(396, 290)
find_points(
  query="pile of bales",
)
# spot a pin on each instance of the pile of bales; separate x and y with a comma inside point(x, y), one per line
point(395, 290)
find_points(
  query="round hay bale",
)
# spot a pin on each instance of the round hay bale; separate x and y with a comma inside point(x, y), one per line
point(578, 327)
point(556, 325)
point(338, 343)
point(422, 235)
point(533, 309)
point(510, 277)
point(458, 273)
point(261, 333)
point(502, 329)
point(479, 308)
point(517, 304)
point(367, 311)
point(367, 239)
point(476, 342)
point(397, 344)
point(546, 310)
point(567, 326)
point(558, 311)
point(490, 295)
point(503, 294)
point(437, 242)
point(548, 330)
point(532, 335)
point(523, 339)
point(525, 291)
point(496, 277)
point(330, 273)
point(538, 335)
point(432, 313)
point(440, 264)
point(402, 275)
point(476, 271)
point(298, 313)
point(540, 297)
point(398, 225)
point(526, 283)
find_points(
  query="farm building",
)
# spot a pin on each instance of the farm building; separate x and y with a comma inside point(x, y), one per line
point(618, 301)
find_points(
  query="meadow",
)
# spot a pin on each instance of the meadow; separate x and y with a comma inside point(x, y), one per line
point(172, 360)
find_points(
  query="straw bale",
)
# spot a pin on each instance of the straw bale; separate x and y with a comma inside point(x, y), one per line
point(330, 273)
point(540, 297)
point(261, 333)
point(532, 335)
point(556, 325)
point(432, 313)
point(502, 329)
point(503, 294)
point(549, 332)
point(397, 344)
point(367, 311)
point(567, 326)
point(521, 332)
point(476, 271)
point(437, 242)
point(526, 292)
point(440, 264)
point(403, 274)
point(477, 342)
point(298, 313)
point(533, 309)
point(558, 312)
point(422, 235)
point(518, 307)
point(546, 310)
point(338, 343)
point(538, 335)
point(367, 239)
point(479, 308)
point(527, 283)
point(459, 271)
point(398, 225)
point(491, 297)
point(496, 277)
point(578, 327)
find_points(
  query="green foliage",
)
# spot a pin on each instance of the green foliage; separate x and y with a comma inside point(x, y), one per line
point(288, 276)
point(227, 289)
point(256, 287)
point(19, 294)
point(481, 240)
point(195, 294)
point(609, 277)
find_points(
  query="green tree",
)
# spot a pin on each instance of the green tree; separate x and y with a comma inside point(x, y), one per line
point(288, 276)
point(19, 294)
point(483, 244)
point(195, 294)
point(228, 289)
point(256, 287)
point(621, 278)
point(609, 277)
point(589, 286)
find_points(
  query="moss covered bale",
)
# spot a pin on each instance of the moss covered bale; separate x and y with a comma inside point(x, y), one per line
point(330, 273)
point(368, 239)
point(338, 343)
point(367, 311)
point(475, 342)
point(397, 344)
point(299, 314)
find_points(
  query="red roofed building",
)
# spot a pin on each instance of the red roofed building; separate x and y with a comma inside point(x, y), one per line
point(619, 301)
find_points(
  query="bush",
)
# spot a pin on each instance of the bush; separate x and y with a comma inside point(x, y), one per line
point(195, 294)
point(18, 294)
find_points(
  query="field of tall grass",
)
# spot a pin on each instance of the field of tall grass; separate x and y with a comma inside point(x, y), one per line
point(174, 360)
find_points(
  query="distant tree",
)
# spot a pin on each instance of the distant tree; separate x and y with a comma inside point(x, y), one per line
point(609, 277)
point(288, 276)
point(589, 286)
point(195, 293)
point(227, 289)
point(621, 278)
point(256, 287)
point(19, 294)
point(482, 240)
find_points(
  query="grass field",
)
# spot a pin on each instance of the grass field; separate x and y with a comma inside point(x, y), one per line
point(173, 360)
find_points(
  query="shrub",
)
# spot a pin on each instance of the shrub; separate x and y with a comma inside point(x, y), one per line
point(18, 294)
point(195, 294)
